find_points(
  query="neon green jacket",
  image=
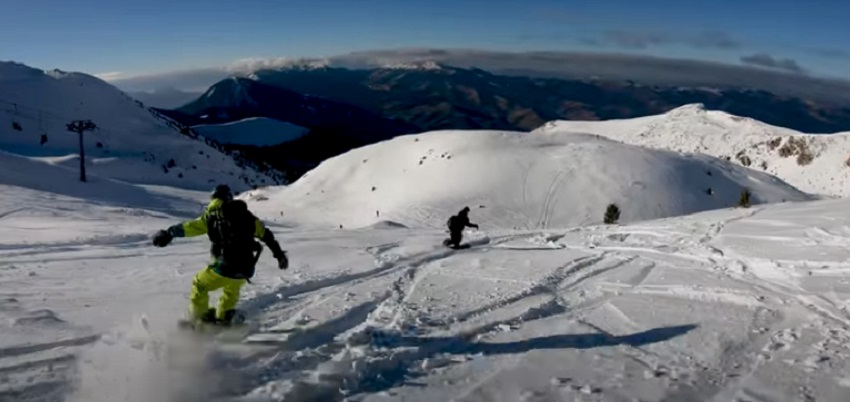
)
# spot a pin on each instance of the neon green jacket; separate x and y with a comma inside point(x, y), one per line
point(228, 260)
point(198, 226)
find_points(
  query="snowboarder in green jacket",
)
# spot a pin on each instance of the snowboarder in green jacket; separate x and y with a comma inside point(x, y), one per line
point(231, 228)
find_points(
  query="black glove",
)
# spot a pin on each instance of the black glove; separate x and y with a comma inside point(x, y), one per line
point(282, 261)
point(162, 238)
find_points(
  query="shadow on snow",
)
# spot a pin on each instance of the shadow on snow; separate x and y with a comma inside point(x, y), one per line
point(426, 347)
point(574, 341)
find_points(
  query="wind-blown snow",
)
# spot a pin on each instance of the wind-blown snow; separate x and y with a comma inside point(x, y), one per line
point(692, 128)
point(737, 304)
point(522, 180)
point(131, 144)
point(258, 131)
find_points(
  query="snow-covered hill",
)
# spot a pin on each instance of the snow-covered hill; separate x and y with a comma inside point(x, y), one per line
point(731, 305)
point(814, 163)
point(513, 180)
point(131, 143)
point(258, 131)
point(18, 173)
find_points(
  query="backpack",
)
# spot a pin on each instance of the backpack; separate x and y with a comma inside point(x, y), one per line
point(232, 224)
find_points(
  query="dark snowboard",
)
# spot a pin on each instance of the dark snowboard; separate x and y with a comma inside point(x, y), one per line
point(459, 247)
point(238, 323)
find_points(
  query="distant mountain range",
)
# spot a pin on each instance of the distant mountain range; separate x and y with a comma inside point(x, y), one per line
point(468, 98)
point(167, 98)
point(346, 108)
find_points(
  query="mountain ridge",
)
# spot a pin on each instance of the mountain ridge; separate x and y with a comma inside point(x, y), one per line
point(524, 103)
point(815, 163)
point(515, 180)
point(442, 97)
point(131, 143)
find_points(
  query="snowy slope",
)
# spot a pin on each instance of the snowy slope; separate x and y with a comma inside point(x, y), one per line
point(258, 131)
point(18, 172)
point(823, 168)
point(521, 180)
point(730, 305)
point(131, 144)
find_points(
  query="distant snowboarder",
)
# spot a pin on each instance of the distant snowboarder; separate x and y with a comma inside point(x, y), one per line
point(456, 225)
point(231, 228)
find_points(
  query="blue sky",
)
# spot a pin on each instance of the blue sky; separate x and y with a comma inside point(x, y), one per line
point(142, 37)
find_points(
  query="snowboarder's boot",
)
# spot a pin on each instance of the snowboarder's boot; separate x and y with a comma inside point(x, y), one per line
point(208, 317)
point(198, 323)
point(232, 317)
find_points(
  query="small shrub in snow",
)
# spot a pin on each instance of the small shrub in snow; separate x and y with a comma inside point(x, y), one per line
point(612, 214)
point(17, 126)
point(774, 143)
point(805, 158)
point(171, 163)
point(847, 162)
point(709, 191)
point(744, 201)
point(743, 158)
point(764, 165)
point(798, 147)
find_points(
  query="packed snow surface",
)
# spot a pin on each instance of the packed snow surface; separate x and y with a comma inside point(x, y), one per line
point(258, 131)
point(814, 163)
point(513, 180)
point(130, 144)
point(735, 304)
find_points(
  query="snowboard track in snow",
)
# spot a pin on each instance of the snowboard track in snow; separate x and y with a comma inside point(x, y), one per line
point(381, 332)
point(397, 356)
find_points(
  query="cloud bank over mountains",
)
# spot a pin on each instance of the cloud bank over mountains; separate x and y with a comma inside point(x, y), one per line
point(758, 71)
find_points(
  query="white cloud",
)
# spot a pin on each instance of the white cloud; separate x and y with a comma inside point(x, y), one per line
point(111, 76)
point(250, 65)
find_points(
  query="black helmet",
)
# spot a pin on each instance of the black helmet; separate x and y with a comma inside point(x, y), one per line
point(465, 210)
point(222, 192)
